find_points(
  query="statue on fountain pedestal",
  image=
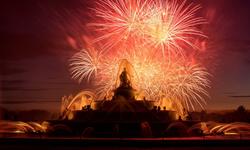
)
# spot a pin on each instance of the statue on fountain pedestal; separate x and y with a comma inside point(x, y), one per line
point(125, 89)
point(124, 81)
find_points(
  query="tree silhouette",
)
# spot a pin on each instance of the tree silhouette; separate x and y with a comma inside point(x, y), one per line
point(241, 109)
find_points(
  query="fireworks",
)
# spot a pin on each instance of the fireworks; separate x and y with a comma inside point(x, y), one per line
point(153, 79)
point(120, 20)
point(84, 64)
point(162, 25)
point(139, 34)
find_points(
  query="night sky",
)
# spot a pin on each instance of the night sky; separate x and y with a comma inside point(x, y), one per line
point(36, 40)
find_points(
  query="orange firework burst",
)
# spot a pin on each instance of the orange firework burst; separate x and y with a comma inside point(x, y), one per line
point(163, 25)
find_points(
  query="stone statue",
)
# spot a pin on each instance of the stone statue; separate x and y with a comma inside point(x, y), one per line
point(124, 79)
point(125, 89)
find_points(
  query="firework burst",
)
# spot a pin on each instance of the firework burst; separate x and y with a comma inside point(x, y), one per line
point(167, 26)
point(172, 26)
point(120, 20)
point(84, 64)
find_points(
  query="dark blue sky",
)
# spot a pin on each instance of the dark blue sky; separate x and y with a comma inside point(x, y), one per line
point(35, 50)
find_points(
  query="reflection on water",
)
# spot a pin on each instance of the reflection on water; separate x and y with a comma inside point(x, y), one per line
point(174, 129)
point(214, 128)
point(23, 127)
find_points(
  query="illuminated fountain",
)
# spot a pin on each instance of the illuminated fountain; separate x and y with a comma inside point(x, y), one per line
point(120, 107)
point(82, 100)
